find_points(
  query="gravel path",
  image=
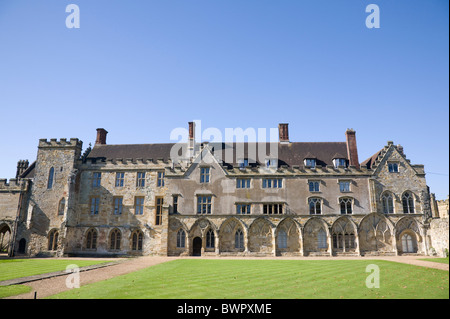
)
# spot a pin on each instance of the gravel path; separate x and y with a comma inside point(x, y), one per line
point(54, 285)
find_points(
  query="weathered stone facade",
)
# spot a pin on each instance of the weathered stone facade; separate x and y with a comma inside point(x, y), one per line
point(312, 199)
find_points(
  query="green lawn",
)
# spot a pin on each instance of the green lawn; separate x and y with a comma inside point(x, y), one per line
point(437, 260)
point(269, 279)
point(17, 268)
point(14, 290)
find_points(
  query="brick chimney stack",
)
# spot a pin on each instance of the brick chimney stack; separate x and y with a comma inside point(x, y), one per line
point(101, 136)
point(191, 141)
point(21, 167)
point(283, 131)
point(352, 150)
point(191, 130)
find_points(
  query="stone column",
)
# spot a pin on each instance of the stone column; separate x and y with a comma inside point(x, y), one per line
point(330, 242)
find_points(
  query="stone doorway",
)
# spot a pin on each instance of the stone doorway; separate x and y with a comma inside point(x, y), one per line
point(408, 244)
point(197, 246)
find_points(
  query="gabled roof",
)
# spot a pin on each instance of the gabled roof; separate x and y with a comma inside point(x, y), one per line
point(371, 160)
point(339, 155)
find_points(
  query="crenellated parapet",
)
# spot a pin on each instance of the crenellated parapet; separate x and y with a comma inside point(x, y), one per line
point(13, 185)
point(63, 142)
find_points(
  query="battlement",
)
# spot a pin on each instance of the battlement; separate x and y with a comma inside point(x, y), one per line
point(63, 142)
point(14, 185)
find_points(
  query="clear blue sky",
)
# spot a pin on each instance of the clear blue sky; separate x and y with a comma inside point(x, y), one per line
point(142, 68)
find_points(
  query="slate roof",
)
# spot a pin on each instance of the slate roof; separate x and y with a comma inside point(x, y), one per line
point(133, 151)
point(288, 153)
point(369, 162)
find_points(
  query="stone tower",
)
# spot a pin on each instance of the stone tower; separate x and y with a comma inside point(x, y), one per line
point(52, 198)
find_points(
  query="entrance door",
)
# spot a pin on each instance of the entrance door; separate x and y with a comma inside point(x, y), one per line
point(197, 247)
point(22, 245)
point(408, 244)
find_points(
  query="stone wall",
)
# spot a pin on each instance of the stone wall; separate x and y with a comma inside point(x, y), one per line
point(443, 206)
point(438, 237)
point(127, 222)
point(43, 213)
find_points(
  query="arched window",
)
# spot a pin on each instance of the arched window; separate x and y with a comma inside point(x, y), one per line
point(51, 175)
point(388, 203)
point(349, 240)
point(53, 240)
point(408, 203)
point(239, 239)
point(314, 206)
point(136, 240)
point(322, 239)
point(346, 205)
point(5, 237)
point(61, 206)
point(210, 240)
point(115, 238)
point(181, 239)
point(282, 239)
point(91, 239)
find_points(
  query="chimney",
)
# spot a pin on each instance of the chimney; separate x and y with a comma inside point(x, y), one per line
point(191, 141)
point(101, 136)
point(191, 130)
point(352, 150)
point(283, 132)
point(21, 167)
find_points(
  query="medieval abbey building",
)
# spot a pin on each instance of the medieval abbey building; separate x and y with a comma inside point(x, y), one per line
point(251, 199)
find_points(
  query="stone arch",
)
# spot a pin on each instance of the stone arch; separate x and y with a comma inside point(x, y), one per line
point(175, 245)
point(200, 227)
point(343, 235)
point(200, 230)
point(115, 239)
point(376, 234)
point(312, 235)
point(91, 238)
point(408, 202)
point(53, 237)
point(387, 202)
point(408, 227)
point(227, 235)
point(5, 238)
point(137, 240)
point(287, 236)
point(260, 236)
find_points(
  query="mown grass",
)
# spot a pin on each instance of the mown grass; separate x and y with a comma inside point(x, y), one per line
point(14, 290)
point(269, 279)
point(18, 268)
point(437, 260)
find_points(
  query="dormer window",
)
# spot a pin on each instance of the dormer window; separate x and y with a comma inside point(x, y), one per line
point(243, 163)
point(340, 162)
point(310, 162)
point(270, 162)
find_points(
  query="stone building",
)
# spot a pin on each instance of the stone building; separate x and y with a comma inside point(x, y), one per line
point(255, 199)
